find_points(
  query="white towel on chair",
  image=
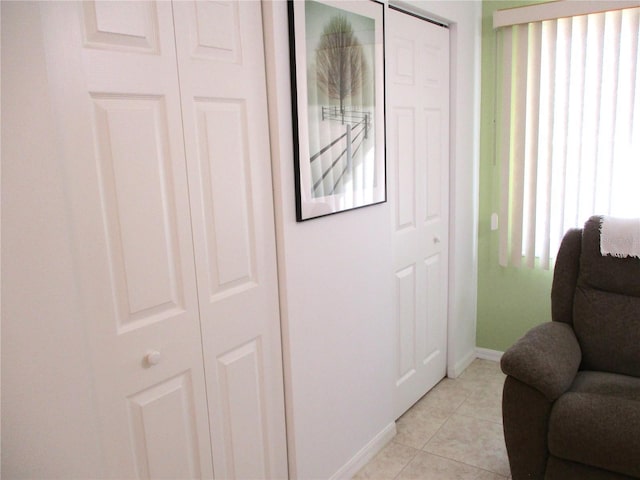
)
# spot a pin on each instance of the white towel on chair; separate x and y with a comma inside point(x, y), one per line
point(620, 237)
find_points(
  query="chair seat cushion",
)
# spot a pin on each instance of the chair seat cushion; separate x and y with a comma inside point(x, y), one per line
point(597, 422)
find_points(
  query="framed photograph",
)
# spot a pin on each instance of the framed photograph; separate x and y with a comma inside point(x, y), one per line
point(337, 80)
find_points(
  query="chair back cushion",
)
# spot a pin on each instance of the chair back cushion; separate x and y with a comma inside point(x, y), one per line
point(565, 276)
point(606, 307)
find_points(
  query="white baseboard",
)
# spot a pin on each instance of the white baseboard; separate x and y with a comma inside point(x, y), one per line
point(488, 354)
point(454, 371)
point(360, 459)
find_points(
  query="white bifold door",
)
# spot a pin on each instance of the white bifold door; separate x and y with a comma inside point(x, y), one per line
point(162, 118)
point(418, 167)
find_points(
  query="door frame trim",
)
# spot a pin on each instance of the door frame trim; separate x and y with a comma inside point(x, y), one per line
point(404, 8)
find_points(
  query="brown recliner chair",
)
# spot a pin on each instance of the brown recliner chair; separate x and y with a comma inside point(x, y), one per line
point(571, 400)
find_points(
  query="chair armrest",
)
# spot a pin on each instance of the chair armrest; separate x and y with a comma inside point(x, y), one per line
point(547, 358)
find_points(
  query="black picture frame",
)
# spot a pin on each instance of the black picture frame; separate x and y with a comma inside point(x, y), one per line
point(338, 105)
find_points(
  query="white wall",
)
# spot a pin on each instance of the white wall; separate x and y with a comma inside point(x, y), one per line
point(335, 299)
point(48, 424)
point(335, 280)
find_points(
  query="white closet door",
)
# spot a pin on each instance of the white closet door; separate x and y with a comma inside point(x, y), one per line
point(112, 73)
point(418, 166)
point(223, 89)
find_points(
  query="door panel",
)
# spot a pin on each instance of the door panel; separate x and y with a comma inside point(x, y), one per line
point(215, 31)
point(112, 75)
point(418, 132)
point(223, 92)
point(127, 26)
point(241, 394)
point(403, 121)
point(406, 321)
point(221, 134)
point(138, 204)
point(163, 420)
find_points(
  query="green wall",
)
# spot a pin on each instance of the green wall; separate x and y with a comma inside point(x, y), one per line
point(510, 300)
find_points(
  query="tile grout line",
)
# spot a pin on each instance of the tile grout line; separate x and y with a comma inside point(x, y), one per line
point(467, 464)
point(406, 465)
point(479, 418)
point(421, 449)
point(468, 383)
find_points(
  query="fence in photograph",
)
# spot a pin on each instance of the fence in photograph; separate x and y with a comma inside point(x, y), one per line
point(354, 136)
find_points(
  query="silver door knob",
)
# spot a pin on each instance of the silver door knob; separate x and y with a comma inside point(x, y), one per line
point(152, 357)
point(436, 239)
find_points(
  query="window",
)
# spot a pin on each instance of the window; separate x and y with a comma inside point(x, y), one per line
point(569, 126)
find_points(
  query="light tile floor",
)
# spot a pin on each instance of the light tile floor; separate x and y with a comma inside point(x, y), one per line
point(453, 432)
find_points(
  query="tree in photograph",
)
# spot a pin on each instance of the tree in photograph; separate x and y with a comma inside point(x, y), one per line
point(340, 63)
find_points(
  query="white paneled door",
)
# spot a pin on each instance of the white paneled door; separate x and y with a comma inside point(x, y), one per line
point(418, 166)
point(162, 119)
point(222, 80)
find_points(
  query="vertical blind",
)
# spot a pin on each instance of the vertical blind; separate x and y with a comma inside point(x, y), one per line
point(568, 135)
